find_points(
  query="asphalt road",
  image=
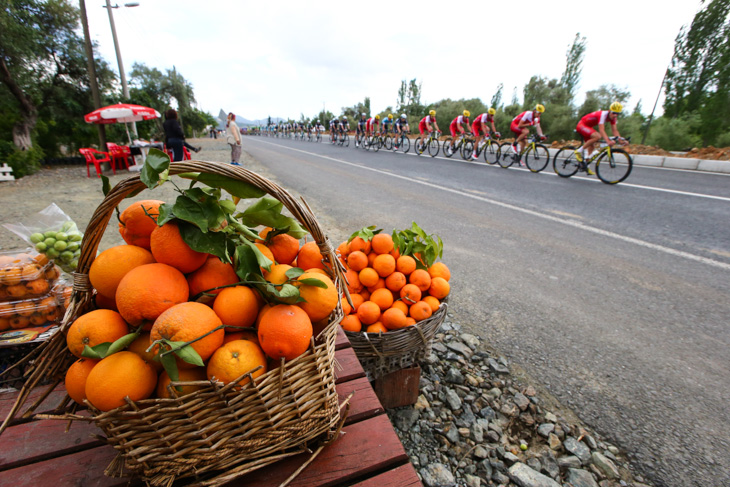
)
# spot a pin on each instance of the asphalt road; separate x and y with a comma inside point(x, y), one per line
point(615, 300)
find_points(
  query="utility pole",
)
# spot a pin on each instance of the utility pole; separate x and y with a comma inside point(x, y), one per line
point(122, 76)
point(92, 72)
point(651, 116)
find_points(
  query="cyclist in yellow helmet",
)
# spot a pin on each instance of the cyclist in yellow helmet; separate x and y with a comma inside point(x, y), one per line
point(428, 124)
point(387, 124)
point(457, 127)
point(480, 126)
point(371, 125)
point(519, 127)
point(591, 137)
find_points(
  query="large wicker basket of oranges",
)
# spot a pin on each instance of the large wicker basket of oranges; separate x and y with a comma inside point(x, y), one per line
point(398, 296)
point(242, 386)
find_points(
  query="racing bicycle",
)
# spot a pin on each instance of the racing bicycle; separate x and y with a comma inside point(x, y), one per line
point(489, 148)
point(431, 143)
point(459, 146)
point(402, 142)
point(535, 156)
point(612, 165)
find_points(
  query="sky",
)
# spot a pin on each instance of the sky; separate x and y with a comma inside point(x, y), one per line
point(285, 58)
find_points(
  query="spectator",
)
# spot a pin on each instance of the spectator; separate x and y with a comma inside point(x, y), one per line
point(174, 136)
point(233, 137)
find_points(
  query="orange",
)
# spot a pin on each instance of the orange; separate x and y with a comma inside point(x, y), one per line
point(405, 264)
point(251, 336)
point(352, 279)
point(266, 251)
point(410, 294)
point(93, 328)
point(351, 323)
point(309, 256)
point(358, 243)
point(420, 311)
point(184, 375)
point(284, 247)
point(262, 311)
point(277, 273)
point(237, 306)
point(213, 273)
point(382, 243)
point(378, 285)
point(234, 359)
point(439, 288)
point(136, 226)
point(18, 322)
point(365, 293)
point(185, 322)
point(285, 331)
point(401, 306)
point(432, 302)
point(357, 300)
point(395, 253)
point(384, 264)
point(4, 324)
point(439, 269)
point(395, 281)
point(76, 376)
point(420, 278)
point(371, 258)
point(394, 318)
point(343, 249)
point(383, 298)
point(410, 321)
point(120, 375)
point(148, 290)
point(169, 248)
point(346, 308)
point(140, 346)
point(103, 302)
point(377, 328)
point(368, 312)
point(357, 260)
point(318, 302)
point(112, 265)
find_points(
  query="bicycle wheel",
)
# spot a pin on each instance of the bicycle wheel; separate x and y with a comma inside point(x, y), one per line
point(564, 162)
point(447, 147)
point(419, 146)
point(388, 142)
point(467, 148)
point(537, 158)
point(376, 143)
point(491, 153)
point(433, 147)
point(346, 140)
point(405, 144)
point(614, 167)
point(506, 155)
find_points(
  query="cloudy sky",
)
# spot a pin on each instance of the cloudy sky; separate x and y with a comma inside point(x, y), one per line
point(284, 58)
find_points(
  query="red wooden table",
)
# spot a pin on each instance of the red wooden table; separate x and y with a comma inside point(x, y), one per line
point(367, 454)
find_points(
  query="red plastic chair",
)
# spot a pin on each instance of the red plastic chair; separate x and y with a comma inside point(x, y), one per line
point(186, 154)
point(97, 158)
point(119, 153)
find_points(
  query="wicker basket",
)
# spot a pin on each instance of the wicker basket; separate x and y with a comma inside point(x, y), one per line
point(219, 428)
point(383, 353)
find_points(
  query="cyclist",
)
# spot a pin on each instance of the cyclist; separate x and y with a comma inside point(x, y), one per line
point(387, 124)
point(591, 136)
point(360, 127)
point(520, 128)
point(344, 125)
point(334, 125)
point(370, 125)
point(457, 127)
point(480, 127)
point(400, 128)
point(428, 124)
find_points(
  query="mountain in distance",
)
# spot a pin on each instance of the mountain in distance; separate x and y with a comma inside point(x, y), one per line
point(241, 121)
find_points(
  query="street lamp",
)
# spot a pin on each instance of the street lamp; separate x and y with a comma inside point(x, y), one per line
point(125, 88)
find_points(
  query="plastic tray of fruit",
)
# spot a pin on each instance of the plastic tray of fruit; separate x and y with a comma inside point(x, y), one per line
point(26, 274)
point(39, 311)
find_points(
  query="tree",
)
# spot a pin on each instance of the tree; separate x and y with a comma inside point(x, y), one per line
point(601, 98)
point(573, 67)
point(409, 98)
point(496, 102)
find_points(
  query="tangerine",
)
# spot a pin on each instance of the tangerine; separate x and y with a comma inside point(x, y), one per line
point(93, 328)
point(318, 302)
point(237, 306)
point(382, 243)
point(357, 260)
point(76, 376)
point(117, 376)
point(384, 264)
point(439, 269)
point(110, 266)
point(439, 288)
point(184, 375)
point(212, 274)
point(310, 257)
point(285, 331)
point(383, 297)
point(186, 322)
point(234, 359)
point(148, 290)
point(277, 273)
point(351, 323)
point(395, 281)
point(420, 278)
point(368, 312)
point(137, 222)
point(168, 247)
point(410, 294)
point(394, 318)
point(377, 327)
point(420, 311)
point(140, 346)
point(359, 243)
point(284, 247)
point(405, 264)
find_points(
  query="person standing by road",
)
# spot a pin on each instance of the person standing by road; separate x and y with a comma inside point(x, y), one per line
point(233, 137)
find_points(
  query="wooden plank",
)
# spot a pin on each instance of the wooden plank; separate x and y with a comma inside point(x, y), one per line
point(399, 388)
point(39, 440)
point(403, 476)
point(341, 341)
point(350, 367)
point(364, 448)
point(7, 400)
point(363, 404)
point(82, 469)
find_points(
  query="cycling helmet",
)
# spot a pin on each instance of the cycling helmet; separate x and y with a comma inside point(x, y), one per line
point(377, 117)
point(390, 116)
point(364, 114)
point(616, 107)
point(402, 115)
point(432, 113)
point(344, 117)
point(539, 108)
point(491, 111)
point(467, 113)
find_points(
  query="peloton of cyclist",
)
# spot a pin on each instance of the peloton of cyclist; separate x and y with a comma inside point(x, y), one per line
point(360, 127)
point(519, 127)
point(590, 136)
point(400, 128)
point(370, 125)
point(480, 128)
point(457, 127)
point(428, 124)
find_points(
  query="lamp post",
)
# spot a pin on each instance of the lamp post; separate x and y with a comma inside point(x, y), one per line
point(122, 77)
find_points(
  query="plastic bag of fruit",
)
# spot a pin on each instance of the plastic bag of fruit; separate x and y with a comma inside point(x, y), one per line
point(54, 234)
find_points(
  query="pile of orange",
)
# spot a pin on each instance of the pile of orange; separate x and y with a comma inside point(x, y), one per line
point(152, 284)
point(389, 291)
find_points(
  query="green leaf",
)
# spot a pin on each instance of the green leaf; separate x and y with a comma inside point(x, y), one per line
point(105, 185)
point(198, 207)
point(310, 281)
point(156, 163)
point(233, 186)
point(289, 294)
point(165, 214)
point(365, 233)
point(294, 272)
point(187, 353)
point(122, 343)
point(96, 352)
point(170, 365)
point(212, 242)
point(246, 262)
point(267, 212)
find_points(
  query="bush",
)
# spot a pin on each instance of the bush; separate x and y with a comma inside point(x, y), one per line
point(22, 162)
point(675, 133)
point(723, 140)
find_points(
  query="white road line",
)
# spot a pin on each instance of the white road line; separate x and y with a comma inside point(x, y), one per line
point(570, 223)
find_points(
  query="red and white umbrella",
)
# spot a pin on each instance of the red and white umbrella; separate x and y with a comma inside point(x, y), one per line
point(121, 113)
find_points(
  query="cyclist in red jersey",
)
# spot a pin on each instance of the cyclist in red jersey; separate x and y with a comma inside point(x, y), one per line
point(457, 125)
point(480, 126)
point(520, 124)
point(428, 124)
point(370, 125)
point(591, 137)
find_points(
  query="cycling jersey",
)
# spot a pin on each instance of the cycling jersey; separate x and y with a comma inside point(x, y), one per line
point(400, 123)
point(370, 123)
point(527, 117)
point(484, 118)
point(422, 124)
point(387, 122)
point(453, 127)
point(586, 124)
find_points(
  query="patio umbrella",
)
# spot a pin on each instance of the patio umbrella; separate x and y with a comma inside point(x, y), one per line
point(121, 113)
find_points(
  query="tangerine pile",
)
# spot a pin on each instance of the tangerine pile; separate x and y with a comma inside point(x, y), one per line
point(389, 291)
point(233, 330)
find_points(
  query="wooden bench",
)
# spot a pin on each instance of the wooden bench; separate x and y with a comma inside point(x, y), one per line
point(6, 173)
point(367, 454)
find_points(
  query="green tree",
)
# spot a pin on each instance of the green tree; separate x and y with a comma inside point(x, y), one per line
point(496, 102)
point(602, 97)
point(573, 67)
point(409, 98)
